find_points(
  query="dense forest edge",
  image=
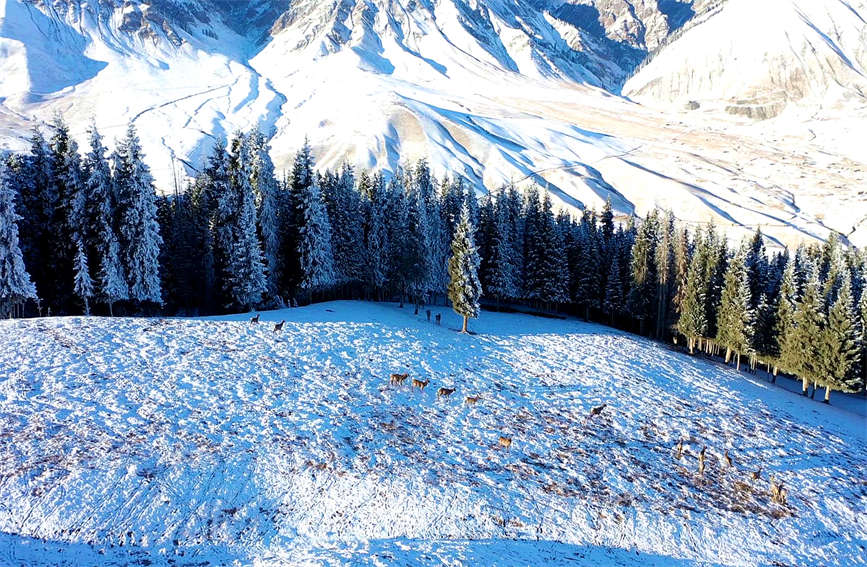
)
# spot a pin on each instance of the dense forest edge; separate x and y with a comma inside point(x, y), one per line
point(88, 233)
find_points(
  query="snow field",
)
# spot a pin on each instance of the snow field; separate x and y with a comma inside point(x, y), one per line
point(189, 441)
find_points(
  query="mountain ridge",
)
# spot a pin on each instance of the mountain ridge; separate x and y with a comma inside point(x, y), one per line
point(495, 91)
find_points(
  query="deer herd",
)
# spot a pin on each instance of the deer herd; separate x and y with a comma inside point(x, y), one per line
point(778, 490)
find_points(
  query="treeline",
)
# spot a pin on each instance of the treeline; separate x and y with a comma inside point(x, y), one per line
point(93, 234)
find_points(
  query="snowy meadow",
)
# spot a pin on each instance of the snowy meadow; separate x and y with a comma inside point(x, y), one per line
point(218, 441)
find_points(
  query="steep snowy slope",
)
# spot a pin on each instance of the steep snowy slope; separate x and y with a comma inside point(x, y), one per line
point(495, 90)
point(186, 442)
point(813, 50)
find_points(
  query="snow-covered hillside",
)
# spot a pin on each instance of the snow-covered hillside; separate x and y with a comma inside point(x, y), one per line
point(495, 90)
point(814, 50)
point(172, 441)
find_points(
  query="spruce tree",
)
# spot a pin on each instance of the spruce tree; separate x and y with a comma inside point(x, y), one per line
point(840, 349)
point(664, 263)
point(784, 329)
point(736, 326)
point(246, 281)
point(16, 286)
point(693, 316)
point(38, 207)
point(315, 257)
point(501, 272)
point(266, 191)
point(139, 228)
point(862, 326)
point(642, 298)
point(376, 241)
point(83, 285)
point(464, 287)
point(806, 334)
point(614, 302)
point(101, 233)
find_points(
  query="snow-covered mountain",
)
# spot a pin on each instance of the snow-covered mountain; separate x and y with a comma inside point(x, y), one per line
point(495, 90)
point(814, 50)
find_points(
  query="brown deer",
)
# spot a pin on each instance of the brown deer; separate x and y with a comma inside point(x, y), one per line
point(278, 326)
point(728, 459)
point(778, 492)
point(597, 410)
point(505, 442)
point(398, 379)
point(473, 400)
point(678, 452)
point(255, 319)
point(445, 392)
point(420, 384)
point(701, 461)
point(439, 317)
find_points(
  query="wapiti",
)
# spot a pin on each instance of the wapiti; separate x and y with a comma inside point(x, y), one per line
point(445, 392)
point(728, 459)
point(505, 442)
point(473, 400)
point(278, 326)
point(597, 410)
point(420, 384)
point(678, 452)
point(398, 379)
point(428, 315)
point(701, 461)
point(255, 319)
point(756, 475)
point(439, 317)
point(778, 492)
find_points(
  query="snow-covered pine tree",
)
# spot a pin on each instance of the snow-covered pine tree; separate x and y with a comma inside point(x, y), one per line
point(138, 225)
point(313, 238)
point(82, 284)
point(502, 272)
point(464, 287)
point(212, 206)
point(664, 265)
point(783, 335)
point(642, 298)
point(397, 219)
point(736, 326)
point(806, 335)
point(585, 276)
point(613, 303)
point(246, 281)
point(606, 223)
point(29, 175)
point(862, 326)
point(546, 269)
point(682, 259)
point(102, 244)
point(438, 238)
point(377, 246)
point(757, 266)
point(714, 273)
point(557, 267)
point(16, 286)
point(840, 351)
point(65, 177)
point(266, 190)
point(514, 204)
point(693, 315)
point(418, 248)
